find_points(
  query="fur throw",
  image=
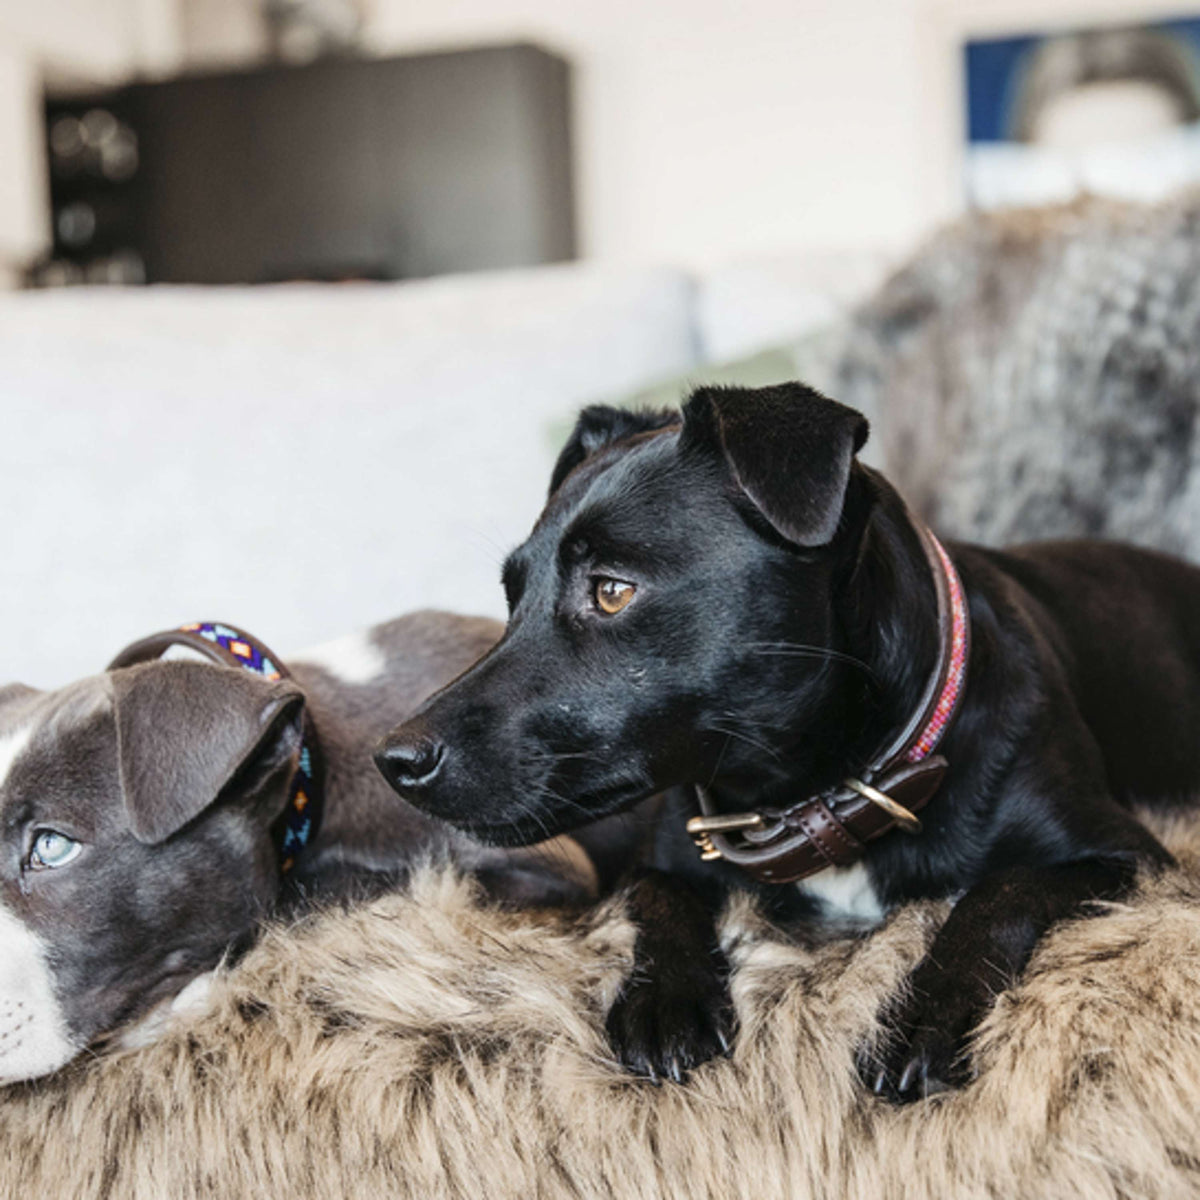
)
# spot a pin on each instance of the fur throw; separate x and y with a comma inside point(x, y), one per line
point(425, 1046)
point(1036, 374)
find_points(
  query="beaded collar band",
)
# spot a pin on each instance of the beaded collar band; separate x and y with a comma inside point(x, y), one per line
point(951, 689)
point(831, 829)
point(228, 646)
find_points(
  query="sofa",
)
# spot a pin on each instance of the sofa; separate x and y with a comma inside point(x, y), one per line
point(307, 460)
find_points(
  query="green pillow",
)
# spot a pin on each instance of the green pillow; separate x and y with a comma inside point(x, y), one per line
point(808, 358)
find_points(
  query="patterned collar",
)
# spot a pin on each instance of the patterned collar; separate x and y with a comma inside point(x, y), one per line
point(298, 824)
point(956, 669)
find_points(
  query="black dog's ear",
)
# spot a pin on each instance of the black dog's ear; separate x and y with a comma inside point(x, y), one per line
point(600, 425)
point(789, 448)
point(186, 730)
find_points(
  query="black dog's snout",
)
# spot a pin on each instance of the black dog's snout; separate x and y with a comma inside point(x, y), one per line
point(409, 760)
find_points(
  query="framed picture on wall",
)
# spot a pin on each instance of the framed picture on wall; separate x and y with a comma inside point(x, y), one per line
point(1111, 111)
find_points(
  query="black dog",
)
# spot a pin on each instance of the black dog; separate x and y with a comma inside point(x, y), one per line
point(729, 600)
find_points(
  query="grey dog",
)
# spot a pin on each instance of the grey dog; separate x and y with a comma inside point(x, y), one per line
point(137, 810)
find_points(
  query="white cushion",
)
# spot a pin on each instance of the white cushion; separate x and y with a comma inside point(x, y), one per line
point(748, 305)
point(299, 460)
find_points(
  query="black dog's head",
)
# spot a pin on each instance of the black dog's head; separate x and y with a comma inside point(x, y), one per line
point(672, 620)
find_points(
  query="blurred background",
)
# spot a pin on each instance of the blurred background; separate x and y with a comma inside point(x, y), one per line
point(298, 296)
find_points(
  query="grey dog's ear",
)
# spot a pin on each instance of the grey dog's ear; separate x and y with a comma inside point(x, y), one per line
point(600, 425)
point(10, 693)
point(185, 730)
point(789, 449)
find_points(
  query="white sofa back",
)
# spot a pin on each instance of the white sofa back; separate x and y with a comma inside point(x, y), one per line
point(302, 461)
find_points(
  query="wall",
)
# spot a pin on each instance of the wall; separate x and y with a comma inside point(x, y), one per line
point(707, 130)
point(221, 31)
point(22, 203)
point(711, 129)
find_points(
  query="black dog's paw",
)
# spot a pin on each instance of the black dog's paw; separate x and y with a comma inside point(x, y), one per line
point(923, 1050)
point(662, 1026)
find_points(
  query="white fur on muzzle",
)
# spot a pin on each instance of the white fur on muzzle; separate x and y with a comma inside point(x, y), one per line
point(34, 1039)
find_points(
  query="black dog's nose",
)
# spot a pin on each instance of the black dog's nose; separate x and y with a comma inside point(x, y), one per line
point(409, 760)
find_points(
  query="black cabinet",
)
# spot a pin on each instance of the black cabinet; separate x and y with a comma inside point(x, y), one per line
point(345, 168)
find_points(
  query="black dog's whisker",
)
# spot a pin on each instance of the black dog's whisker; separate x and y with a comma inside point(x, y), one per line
point(720, 759)
point(799, 650)
point(553, 757)
point(742, 736)
point(529, 810)
point(545, 792)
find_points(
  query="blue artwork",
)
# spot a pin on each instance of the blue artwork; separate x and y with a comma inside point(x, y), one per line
point(1106, 110)
point(993, 72)
point(998, 70)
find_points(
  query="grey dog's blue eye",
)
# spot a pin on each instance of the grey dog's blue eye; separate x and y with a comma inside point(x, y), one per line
point(53, 849)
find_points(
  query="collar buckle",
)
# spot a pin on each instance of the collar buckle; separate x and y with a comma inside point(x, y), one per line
point(904, 818)
point(702, 828)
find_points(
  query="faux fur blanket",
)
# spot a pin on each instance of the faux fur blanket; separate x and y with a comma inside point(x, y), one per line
point(426, 1046)
point(1036, 374)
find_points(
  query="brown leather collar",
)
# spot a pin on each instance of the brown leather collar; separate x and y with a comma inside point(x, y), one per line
point(832, 829)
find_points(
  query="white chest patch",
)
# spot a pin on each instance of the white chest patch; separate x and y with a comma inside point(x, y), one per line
point(352, 659)
point(845, 892)
point(191, 1000)
point(34, 1039)
point(11, 745)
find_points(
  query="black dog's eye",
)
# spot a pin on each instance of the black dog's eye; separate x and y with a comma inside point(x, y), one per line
point(611, 595)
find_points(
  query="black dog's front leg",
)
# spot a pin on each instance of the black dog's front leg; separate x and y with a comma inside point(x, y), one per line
point(986, 941)
point(674, 1011)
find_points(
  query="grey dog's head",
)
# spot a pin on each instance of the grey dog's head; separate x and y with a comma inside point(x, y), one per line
point(135, 848)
